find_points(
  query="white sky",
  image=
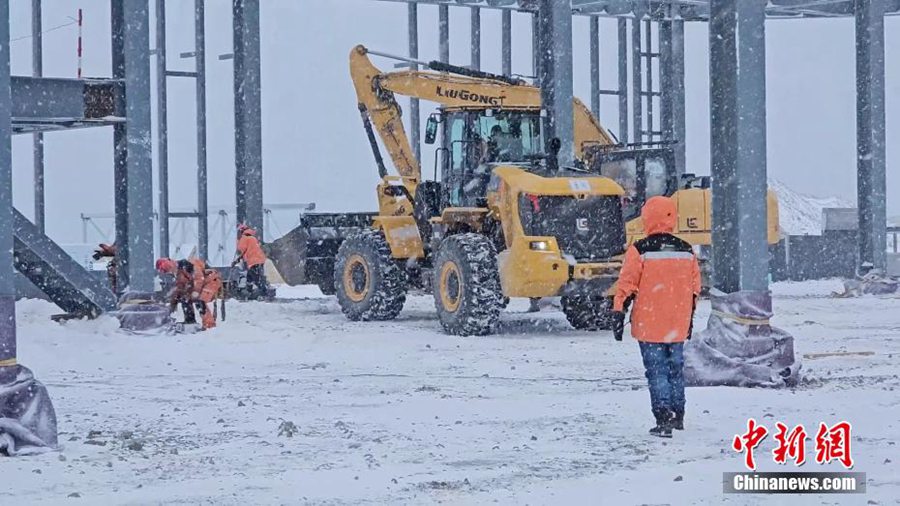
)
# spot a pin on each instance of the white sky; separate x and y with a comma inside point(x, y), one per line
point(314, 148)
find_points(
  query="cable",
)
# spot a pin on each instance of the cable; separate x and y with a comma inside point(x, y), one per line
point(70, 23)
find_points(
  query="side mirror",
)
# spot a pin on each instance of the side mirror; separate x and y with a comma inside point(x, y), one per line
point(431, 128)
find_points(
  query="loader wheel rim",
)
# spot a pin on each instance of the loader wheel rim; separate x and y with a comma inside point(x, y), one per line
point(451, 287)
point(356, 278)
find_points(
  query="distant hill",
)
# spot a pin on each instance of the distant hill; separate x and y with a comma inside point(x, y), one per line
point(801, 214)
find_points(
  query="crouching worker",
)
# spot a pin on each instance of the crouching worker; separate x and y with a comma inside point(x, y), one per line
point(251, 253)
point(195, 286)
point(661, 276)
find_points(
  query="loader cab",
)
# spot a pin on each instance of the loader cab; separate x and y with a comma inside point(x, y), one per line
point(474, 142)
point(643, 172)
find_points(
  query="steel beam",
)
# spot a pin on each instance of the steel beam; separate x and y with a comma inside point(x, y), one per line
point(648, 76)
point(672, 93)
point(738, 120)
point(414, 118)
point(200, 91)
point(506, 41)
point(444, 33)
point(37, 70)
point(130, 20)
point(622, 42)
point(162, 130)
point(870, 133)
point(7, 276)
point(535, 48)
point(555, 43)
point(475, 37)
point(637, 115)
point(594, 44)
point(247, 114)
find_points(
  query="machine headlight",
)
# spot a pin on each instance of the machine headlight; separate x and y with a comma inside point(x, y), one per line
point(538, 245)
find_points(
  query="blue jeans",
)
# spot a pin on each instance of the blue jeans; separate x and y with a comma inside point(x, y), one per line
point(665, 375)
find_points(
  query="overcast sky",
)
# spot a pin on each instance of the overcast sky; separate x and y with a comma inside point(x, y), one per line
point(314, 148)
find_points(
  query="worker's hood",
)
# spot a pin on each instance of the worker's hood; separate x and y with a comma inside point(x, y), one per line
point(659, 215)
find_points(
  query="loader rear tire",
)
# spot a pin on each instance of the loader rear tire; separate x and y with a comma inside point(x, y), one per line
point(369, 283)
point(466, 285)
point(586, 313)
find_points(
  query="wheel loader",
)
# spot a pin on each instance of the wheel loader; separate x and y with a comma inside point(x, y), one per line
point(499, 217)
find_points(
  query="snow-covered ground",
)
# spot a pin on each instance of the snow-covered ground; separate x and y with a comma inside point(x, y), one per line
point(289, 403)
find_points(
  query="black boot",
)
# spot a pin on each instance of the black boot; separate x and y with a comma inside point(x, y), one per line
point(678, 420)
point(663, 423)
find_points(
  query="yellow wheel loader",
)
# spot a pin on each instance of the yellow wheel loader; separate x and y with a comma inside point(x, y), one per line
point(498, 219)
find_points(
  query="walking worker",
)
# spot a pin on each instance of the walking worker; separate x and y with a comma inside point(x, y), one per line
point(661, 276)
point(250, 251)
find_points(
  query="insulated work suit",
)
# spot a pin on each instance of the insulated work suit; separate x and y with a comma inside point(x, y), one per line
point(661, 276)
point(195, 286)
point(250, 251)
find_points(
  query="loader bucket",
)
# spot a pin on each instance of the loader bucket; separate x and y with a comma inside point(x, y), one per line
point(305, 255)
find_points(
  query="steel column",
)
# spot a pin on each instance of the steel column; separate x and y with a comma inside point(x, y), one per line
point(414, 119)
point(37, 70)
point(555, 43)
point(475, 36)
point(506, 41)
point(672, 96)
point(444, 33)
point(130, 20)
point(623, 78)
point(202, 176)
point(595, 65)
point(535, 48)
point(870, 133)
point(648, 75)
point(738, 154)
point(637, 115)
point(247, 114)
point(7, 276)
point(162, 130)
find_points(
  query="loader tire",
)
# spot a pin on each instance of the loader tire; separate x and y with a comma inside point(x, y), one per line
point(369, 283)
point(466, 285)
point(586, 313)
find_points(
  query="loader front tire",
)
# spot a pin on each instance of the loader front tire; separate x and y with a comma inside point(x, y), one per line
point(369, 283)
point(466, 285)
point(586, 313)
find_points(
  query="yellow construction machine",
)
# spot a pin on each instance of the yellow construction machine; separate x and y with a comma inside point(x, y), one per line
point(499, 217)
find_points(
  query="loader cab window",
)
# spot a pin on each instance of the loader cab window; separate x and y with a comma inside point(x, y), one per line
point(641, 173)
point(509, 136)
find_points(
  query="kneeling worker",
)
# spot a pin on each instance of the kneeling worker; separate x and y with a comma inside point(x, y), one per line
point(661, 276)
point(195, 286)
point(250, 251)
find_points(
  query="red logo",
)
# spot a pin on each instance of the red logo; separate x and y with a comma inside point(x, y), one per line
point(832, 443)
point(748, 441)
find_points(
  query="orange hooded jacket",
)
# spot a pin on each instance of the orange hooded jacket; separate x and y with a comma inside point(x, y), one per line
point(249, 249)
point(662, 273)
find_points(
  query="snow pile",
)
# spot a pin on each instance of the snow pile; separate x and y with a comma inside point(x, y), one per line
point(800, 214)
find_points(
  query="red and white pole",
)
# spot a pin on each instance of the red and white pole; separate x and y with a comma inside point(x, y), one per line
point(79, 43)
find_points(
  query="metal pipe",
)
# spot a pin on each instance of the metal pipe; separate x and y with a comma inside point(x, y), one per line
point(622, 26)
point(444, 33)
point(414, 118)
point(637, 116)
point(648, 73)
point(506, 41)
point(37, 70)
point(162, 130)
point(475, 36)
point(595, 65)
point(202, 177)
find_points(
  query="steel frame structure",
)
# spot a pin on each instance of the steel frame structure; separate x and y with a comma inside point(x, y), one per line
point(738, 161)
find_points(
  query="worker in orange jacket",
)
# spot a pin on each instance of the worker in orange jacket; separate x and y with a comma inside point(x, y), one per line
point(251, 253)
point(195, 286)
point(661, 276)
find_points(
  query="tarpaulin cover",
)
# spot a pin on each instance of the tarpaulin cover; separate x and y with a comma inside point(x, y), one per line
point(739, 347)
point(27, 418)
